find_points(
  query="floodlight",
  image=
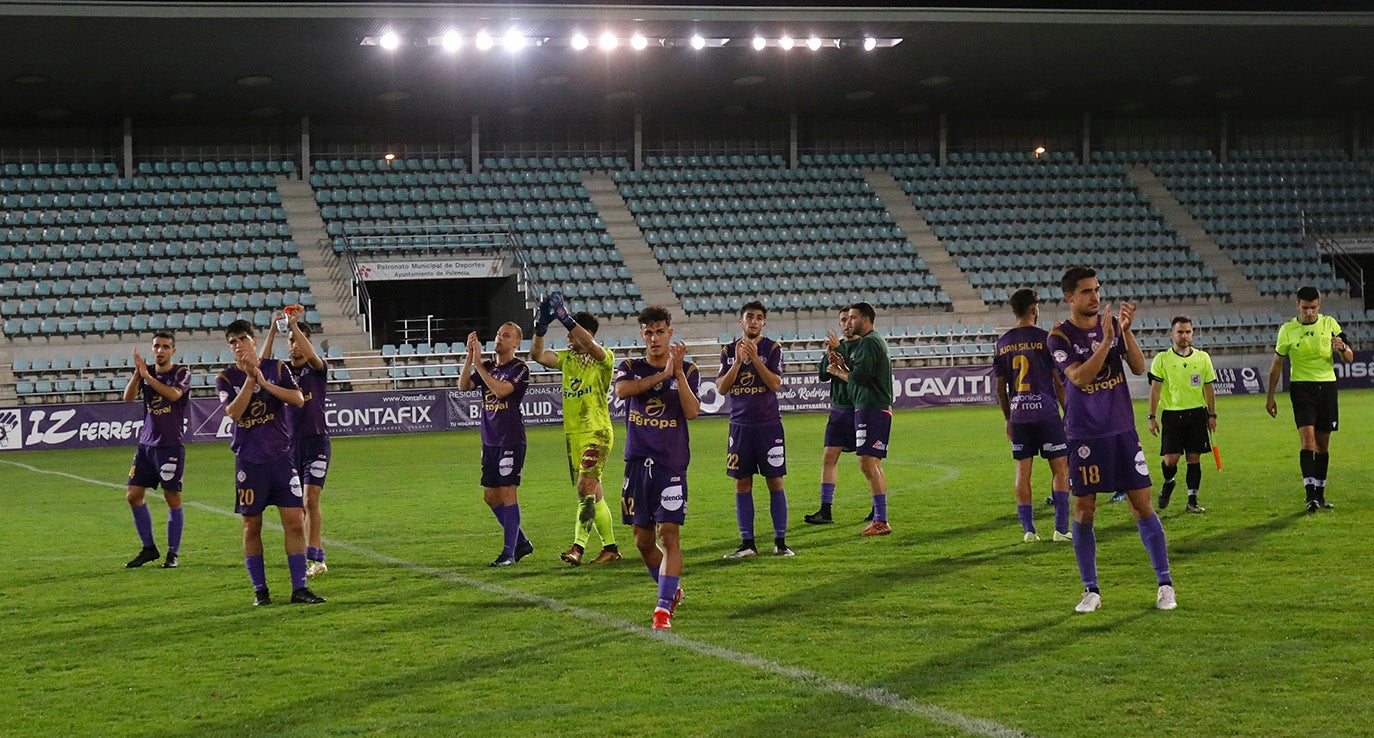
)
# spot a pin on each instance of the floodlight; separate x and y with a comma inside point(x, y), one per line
point(813, 43)
point(484, 41)
point(389, 41)
point(580, 42)
point(870, 43)
point(452, 41)
point(698, 43)
point(638, 42)
point(759, 43)
point(608, 41)
point(786, 42)
point(513, 40)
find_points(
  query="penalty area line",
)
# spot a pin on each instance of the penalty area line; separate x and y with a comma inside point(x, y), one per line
point(874, 695)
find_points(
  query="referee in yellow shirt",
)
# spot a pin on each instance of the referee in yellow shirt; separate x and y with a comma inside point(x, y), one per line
point(1181, 384)
point(1311, 342)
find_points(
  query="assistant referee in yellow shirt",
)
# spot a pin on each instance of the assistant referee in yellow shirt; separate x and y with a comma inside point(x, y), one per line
point(1181, 384)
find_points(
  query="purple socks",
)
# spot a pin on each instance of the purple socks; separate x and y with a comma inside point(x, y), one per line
point(1085, 550)
point(827, 493)
point(744, 514)
point(256, 573)
point(509, 518)
point(296, 563)
point(880, 507)
point(667, 590)
point(1152, 535)
point(1061, 511)
point(1025, 513)
point(176, 520)
point(777, 507)
point(143, 523)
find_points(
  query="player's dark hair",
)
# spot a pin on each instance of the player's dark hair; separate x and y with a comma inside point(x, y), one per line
point(753, 305)
point(1308, 293)
point(587, 321)
point(655, 314)
point(305, 328)
point(1022, 301)
point(1073, 276)
point(167, 335)
point(865, 310)
point(240, 326)
point(1180, 319)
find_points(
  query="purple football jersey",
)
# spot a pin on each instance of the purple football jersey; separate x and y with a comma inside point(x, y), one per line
point(1103, 408)
point(164, 420)
point(751, 402)
point(309, 420)
point(263, 432)
point(1022, 357)
point(655, 426)
point(502, 422)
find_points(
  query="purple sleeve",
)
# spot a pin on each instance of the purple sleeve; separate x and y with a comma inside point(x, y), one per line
point(285, 379)
point(183, 379)
point(623, 372)
point(225, 389)
point(693, 379)
point(521, 380)
point(724, 361)
point(1061, 352)
point(775, 362)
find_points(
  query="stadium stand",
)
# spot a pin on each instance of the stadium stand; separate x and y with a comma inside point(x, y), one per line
point(410, 205)
point(1263, 207)
point(728, 229)
point(86, 253)
point(1012, 220)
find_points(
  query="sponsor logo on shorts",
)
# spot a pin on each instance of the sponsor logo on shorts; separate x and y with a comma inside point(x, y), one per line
point(1141, 466)
point(879, 446)
point(1055, 446)
point(168, 471)
point(861, 435)
point(242, 477)
point(295, 484)
point(776, 456)
point(506, 465)
point(317, 468)
point(1017, 446)
point(1084, 452)
point(672, 498)
point(1061, 356)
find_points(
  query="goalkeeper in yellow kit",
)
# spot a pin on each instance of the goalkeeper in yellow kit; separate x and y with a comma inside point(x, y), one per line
point(586, 366)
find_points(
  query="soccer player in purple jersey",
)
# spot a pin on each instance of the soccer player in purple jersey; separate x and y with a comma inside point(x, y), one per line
point(750, 374)
point(255, 392)
point(160, 457)
point(1030, 392)
point(1104, 449)
point(503, 382)
point(660, 392)
point(312, 451)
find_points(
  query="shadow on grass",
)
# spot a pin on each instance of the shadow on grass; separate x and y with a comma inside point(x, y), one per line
point(1235, 539)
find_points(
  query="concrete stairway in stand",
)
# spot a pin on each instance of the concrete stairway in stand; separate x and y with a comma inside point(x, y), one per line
point(620, 223)
point(952, 280)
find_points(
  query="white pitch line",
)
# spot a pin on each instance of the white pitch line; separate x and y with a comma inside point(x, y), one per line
point(876, 695)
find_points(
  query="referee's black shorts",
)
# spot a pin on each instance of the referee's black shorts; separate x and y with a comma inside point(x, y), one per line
point(1314, 404)
point(1184, 432)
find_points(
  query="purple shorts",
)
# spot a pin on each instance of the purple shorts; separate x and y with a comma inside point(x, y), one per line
point(501, 465)
point(872, 429)
point(1111, 464)
point(158, 465)
point(258, 485)
point(839, 429)
point(1047, 439)
point(756, 449)
point(312, 455)
point(652, 494)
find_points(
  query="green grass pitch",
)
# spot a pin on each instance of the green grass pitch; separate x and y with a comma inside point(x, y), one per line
point(951, 626)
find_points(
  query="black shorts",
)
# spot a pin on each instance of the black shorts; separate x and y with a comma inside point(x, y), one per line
point(1184, 432)
point(1314, 404)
